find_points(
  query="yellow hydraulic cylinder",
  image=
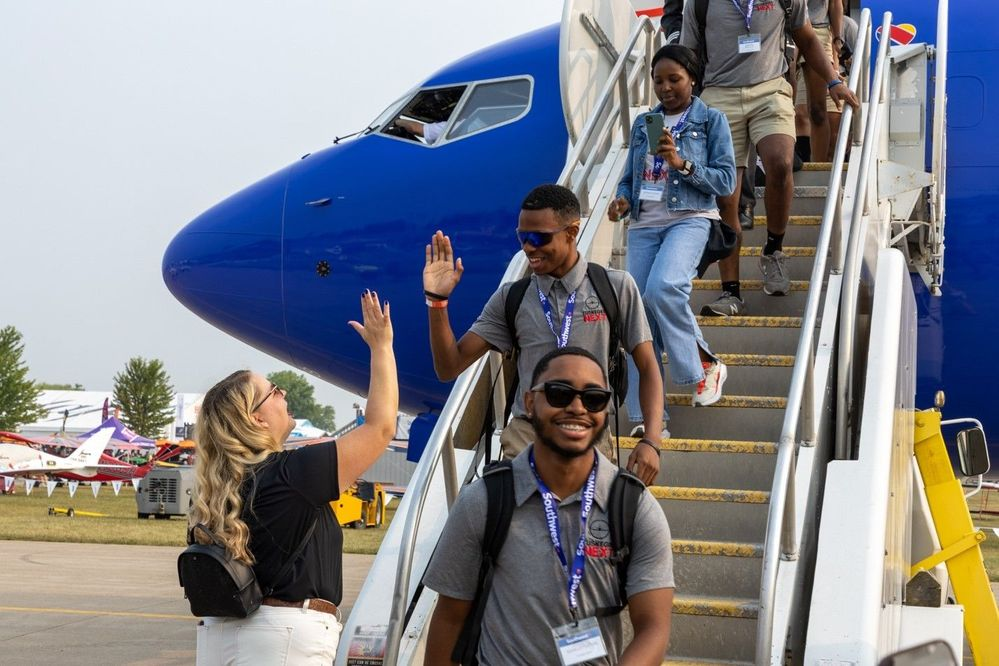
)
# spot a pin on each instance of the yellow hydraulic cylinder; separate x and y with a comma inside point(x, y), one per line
point(952, 520)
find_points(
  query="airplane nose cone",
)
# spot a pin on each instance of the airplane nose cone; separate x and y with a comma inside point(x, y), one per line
point(225, 265)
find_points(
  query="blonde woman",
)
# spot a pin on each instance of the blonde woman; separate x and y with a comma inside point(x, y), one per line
point(241, 430)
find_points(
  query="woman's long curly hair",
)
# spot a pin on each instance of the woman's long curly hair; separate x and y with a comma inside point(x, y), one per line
point(229, 441)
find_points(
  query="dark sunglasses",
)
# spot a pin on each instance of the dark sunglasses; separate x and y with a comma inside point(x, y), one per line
point(274, 388)
point(538, 238)
point(559, 395)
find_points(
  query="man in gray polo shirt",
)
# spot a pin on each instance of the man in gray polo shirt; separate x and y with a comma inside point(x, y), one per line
point(530, 595)
point(744, 78)
point(547, 227)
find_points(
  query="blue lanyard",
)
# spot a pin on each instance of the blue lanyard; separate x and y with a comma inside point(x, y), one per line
point(561, 340)
point(681, 122)
point(746, 13)
point(550, 504)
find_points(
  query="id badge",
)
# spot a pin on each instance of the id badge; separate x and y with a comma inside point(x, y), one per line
point(653, 189)
point(749, 43)
point(578, 643)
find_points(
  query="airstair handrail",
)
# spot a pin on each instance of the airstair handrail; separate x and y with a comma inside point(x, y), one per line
point(780, 542)
point(854, 249)
point(939, 161)
point(440, 445)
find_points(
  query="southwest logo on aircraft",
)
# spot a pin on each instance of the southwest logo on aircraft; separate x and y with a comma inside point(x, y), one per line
point(900, 34)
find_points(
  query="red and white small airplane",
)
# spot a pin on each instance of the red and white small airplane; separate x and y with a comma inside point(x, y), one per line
point(16, 459)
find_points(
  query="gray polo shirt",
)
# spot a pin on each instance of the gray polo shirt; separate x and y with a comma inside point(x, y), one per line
point(818, 12)
point(529, 594)
point(590, 327)
point(726, 66)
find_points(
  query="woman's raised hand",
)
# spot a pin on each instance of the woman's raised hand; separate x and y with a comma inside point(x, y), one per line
point(376, 329)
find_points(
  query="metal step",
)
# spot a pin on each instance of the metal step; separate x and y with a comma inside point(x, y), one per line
point(710, 518)
point(815, 173)
point(751, 287)
point(802, 229)
point(707, 463)
point(742, 335)
point(704, 662)
point(758, 423)
point(807, 200)
point(713, 628)
point(718, 569)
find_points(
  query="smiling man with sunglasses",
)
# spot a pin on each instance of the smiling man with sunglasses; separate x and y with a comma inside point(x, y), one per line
point(546, 599)
point(560, 307)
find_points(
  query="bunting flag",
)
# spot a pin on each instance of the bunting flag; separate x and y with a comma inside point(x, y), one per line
point(73, 485)
point(116, 486)
point(95, 487)
point(29, 484)
point(135, 484)
point(8, 481)
point(50, 486)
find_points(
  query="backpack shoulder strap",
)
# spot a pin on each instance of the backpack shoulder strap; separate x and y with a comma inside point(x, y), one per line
point(608, 298)
point(701, 12)
point(622, 504)
point(512, 304)
point(498, 478)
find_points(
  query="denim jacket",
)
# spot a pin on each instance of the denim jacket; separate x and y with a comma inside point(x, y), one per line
point(706, 141)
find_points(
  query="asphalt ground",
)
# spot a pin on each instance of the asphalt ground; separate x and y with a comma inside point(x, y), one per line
point(63, 603)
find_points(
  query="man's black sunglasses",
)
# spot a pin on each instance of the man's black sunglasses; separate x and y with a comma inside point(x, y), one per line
point(560, 394)
point(538, 238)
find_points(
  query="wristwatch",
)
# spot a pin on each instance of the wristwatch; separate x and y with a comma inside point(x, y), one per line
point(688, 168)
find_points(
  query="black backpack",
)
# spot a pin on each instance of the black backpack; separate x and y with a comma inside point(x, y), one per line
point(625, 493)
point(617, 363)
point(217, 584)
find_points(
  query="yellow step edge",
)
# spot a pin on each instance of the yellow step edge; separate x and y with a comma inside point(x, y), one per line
point(704, 662)
point(718, 607)
point(710, 494)
point(731, 401)
point(750, 322)
point(820, 166)
point(708, 445)
point(746, 285)
point(721, 548)
point(793, 220)
point(758, 360)
point(757, 250)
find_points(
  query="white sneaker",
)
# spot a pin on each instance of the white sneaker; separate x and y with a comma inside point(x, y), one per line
point(638, 431)
point(709, 390)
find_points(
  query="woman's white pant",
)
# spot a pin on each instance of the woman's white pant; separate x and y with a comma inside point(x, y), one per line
point(271, 635)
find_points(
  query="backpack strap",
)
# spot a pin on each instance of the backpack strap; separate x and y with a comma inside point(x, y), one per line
point(701, 12)
point(512, 304)
point(608, 298)
point(498, 478)
point(622, 504)
point(294, 556)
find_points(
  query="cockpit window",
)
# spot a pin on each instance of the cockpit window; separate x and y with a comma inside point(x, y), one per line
point(458, 110)
point(426, 114)
point(490, 105)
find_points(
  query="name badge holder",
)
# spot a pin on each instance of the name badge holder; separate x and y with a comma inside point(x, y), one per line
point(580, 640)
point(751, 41)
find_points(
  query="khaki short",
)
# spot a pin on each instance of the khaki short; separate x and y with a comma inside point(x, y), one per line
point(754, 112)
point(519, 433)
point(801, 93)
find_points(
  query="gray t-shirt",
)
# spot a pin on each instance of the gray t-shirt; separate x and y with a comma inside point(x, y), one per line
point(590, 327)
point(529, 594)
point(725, 24)
point(818, 12)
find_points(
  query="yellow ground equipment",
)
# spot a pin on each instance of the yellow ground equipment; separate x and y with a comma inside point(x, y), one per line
point(72, 513)
point(362, 505)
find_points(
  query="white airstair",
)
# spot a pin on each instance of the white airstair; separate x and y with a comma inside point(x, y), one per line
point(744, 482)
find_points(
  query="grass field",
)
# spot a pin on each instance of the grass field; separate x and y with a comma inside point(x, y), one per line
point(26, 518)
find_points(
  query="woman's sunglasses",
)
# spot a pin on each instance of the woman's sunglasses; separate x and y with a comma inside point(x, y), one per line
point(559, 395)
point(538, 238)
point(274, 388)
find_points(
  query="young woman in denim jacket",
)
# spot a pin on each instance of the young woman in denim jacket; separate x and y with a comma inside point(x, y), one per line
point(671, 199)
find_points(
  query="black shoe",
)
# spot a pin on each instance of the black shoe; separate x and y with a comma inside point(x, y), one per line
point(746, 217)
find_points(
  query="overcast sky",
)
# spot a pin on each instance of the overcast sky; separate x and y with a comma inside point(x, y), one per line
point(122, 120)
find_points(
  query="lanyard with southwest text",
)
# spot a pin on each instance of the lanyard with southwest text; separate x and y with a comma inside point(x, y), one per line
point(657, 161)
point(550, 504)
point(747, 13)
point(561, 340)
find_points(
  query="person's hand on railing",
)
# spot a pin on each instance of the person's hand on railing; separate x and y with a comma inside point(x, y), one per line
point(840, 93)
point(441, 273)
point(618, 208)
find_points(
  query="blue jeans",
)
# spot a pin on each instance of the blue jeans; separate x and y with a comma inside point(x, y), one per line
point(663, 261)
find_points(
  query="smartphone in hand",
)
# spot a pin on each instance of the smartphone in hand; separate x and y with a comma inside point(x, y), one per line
point(653, 130)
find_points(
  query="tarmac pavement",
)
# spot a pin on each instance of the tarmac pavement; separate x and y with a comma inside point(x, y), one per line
point(86, 604)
